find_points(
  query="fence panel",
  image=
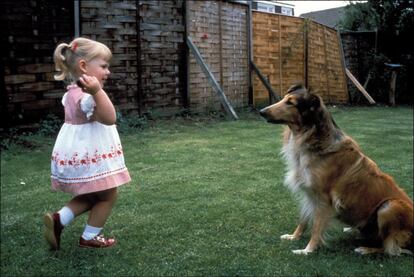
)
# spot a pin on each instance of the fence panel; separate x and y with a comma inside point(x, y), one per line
point(325, 69)
point(219, 30)
point(289, 50)
point(31, 30)
point(267, 42)
point(162, 55)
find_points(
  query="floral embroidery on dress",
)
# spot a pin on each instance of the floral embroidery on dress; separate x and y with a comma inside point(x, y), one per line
point(87, 159)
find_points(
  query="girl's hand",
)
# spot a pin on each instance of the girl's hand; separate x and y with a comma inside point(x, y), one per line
point(90, 84)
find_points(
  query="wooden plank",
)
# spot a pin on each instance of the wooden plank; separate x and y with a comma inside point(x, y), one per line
point(280, 53)
point(326, 64)
point(250, 52)
point(210, 77)
point(341, 50)
point(392, 88)
point(305, 51)
point(19, 79)
point(359, 86)
point(220, 33)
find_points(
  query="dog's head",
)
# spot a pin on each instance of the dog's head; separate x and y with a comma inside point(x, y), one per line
point(298, 108)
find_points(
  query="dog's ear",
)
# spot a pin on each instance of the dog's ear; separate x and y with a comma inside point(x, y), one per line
point(308, 102)
point(314, 101)
point(310, 109)
point(295, 87)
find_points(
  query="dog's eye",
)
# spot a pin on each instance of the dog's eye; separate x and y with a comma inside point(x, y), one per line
point(289, 103)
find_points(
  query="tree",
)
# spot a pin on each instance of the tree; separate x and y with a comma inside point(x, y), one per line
point(394, 22)
point(359, 17)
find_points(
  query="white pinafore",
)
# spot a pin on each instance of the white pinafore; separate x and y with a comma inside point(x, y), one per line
point(87, 156)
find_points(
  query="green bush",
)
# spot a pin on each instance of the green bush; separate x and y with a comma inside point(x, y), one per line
point(50, 125)
point(131, 123)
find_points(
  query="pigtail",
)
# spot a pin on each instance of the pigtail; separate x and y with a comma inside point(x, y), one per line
point(60, 60)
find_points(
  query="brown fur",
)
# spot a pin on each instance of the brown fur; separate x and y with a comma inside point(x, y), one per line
point(336, 180)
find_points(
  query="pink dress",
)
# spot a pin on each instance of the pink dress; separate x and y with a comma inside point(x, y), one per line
point(87, 156)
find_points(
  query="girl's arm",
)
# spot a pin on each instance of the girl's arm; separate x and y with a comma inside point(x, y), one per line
point(104, 111)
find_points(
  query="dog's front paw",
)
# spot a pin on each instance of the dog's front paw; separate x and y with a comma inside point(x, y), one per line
point(362, 250)
point(301, 251)
point(288, 237)
point(348, 230)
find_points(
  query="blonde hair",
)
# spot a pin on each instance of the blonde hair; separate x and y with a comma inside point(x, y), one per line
point(66, 56)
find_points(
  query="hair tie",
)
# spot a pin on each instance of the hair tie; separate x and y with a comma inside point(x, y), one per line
point(74, 46)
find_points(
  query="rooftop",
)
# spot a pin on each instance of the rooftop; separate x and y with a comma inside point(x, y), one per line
point(328, 17)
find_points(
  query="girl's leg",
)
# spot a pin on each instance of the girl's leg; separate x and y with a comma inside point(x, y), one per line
point(76, 206)
point(102, 208)
point(55, 222)
point(97, 218)
point(81, 203)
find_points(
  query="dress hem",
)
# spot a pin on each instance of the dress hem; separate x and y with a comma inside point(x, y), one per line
point(101, 184)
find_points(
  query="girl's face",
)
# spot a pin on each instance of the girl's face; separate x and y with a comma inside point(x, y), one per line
point(99, 68)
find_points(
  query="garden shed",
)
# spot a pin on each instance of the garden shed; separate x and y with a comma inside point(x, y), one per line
point(153, 70)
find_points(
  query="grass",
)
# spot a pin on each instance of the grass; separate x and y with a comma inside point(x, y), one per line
point(206, 199)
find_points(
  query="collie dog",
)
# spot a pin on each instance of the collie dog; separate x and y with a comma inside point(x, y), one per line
point(336, 180)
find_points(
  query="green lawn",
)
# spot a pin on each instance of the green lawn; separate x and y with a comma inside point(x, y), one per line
point(207, 198)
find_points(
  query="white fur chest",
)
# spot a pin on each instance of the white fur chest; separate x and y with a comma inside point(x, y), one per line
point(298, 175)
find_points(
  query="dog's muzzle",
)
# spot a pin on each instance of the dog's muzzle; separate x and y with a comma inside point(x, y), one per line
point(263, 113)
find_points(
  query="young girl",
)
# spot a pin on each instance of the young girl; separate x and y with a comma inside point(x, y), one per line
point(87, 159)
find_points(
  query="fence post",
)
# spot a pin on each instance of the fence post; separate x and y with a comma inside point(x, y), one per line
point(250, 50)
point(266, 83)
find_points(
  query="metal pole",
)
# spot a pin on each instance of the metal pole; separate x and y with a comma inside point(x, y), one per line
point(77, 17)
point(250, 49)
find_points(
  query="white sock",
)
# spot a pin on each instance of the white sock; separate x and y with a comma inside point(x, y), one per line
point(90, 232)
point(66, 216)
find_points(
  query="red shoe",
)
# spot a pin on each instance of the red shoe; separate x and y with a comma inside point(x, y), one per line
point(53, 230)
point(98, 241)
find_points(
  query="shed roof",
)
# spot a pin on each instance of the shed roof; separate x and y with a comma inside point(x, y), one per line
point(328, 17)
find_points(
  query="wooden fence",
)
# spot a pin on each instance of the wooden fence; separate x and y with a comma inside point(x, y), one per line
point(30, 32)
point(289, 50)
point(147, 40)
point(219, 30)
point(152, 70)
